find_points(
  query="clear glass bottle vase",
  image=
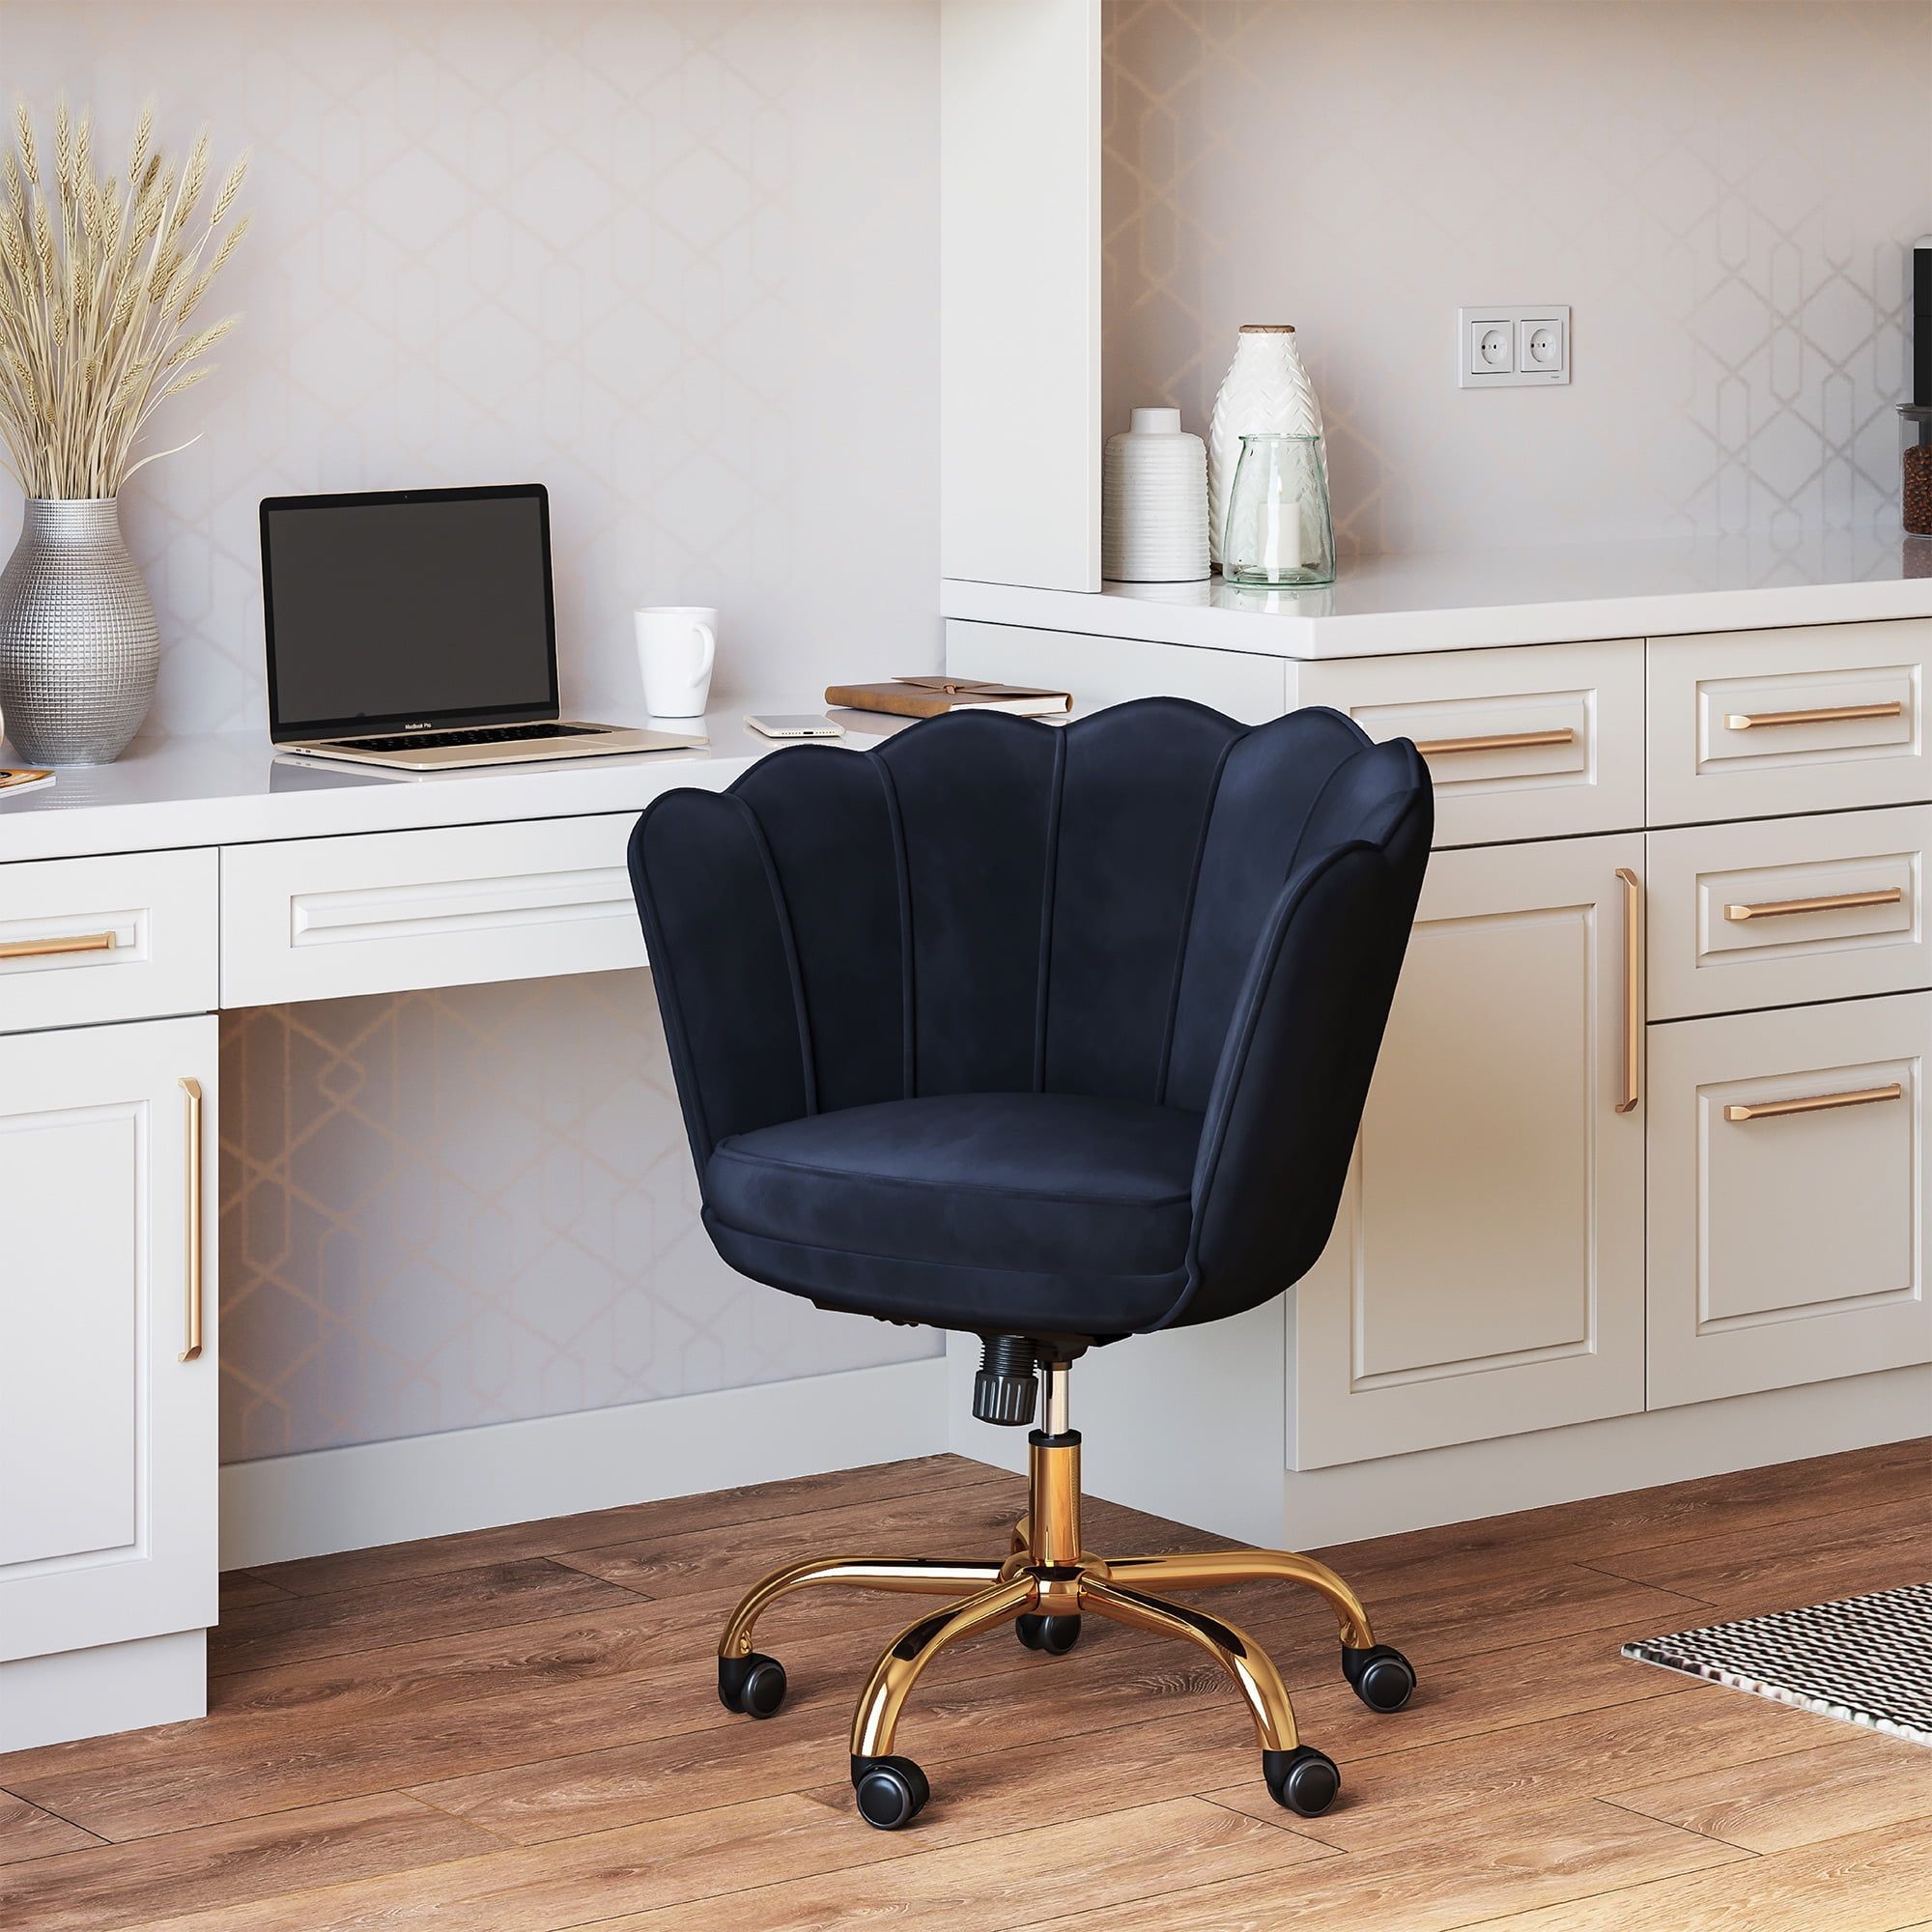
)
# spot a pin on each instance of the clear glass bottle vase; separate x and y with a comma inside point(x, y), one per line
point(1279, 530)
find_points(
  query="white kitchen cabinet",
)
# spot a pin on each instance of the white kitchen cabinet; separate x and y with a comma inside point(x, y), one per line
point(107, 1434)
point(1486, 1271)
point(1789, 1172)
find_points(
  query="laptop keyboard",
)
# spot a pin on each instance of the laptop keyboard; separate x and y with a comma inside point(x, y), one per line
point(488, 734)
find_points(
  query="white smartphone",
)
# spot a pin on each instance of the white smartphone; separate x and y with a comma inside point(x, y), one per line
point(795, 725)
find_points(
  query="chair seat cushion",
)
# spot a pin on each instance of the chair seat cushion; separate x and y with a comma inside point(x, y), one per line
point(1028, 1185)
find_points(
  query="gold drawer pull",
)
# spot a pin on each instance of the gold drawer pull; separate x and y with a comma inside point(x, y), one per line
point(1830, 714)
point(191, 1093)
point(66, 942)
point(1833, 902)
point(1633, 964)
point(1498, 741)
point(1768, 1110)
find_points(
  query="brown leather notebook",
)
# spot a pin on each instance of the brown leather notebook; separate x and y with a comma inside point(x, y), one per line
point(932, 697)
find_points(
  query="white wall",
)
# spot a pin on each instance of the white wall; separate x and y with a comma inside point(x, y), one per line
point(680, 262)
point(1724, 193)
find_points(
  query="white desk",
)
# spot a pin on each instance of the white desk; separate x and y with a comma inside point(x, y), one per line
point(137, 900)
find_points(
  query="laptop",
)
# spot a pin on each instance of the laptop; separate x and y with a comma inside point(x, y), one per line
point(417, 629)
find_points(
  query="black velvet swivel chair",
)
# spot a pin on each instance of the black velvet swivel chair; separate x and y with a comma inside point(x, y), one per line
point(1056, 1036)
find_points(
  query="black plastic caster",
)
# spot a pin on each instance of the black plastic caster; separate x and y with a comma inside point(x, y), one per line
point(1055, 1636)
point(1383, 1678)
point(892, 1791)
point(1303, 1780)
point(755, 1684)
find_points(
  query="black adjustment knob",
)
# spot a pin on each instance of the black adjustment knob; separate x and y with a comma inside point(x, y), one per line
point(1006, 1389)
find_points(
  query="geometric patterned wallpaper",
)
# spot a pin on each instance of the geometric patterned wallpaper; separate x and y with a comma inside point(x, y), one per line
point(679, 262)
point(472, 1205)
point(1724, 193)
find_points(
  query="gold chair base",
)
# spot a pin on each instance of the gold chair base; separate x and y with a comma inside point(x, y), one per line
point(1048, 1573)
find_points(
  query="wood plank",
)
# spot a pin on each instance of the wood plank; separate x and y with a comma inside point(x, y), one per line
point(981, 1783)
point(998, 1729)
point(1799, 1797)
point(1486, 1869)
point(1793, 1563)
point(111, 1886)
point(1877, 1881)
point(1424, 1792)
point(457, 1706)
point(239, 1587)
point(360, 1569)
point(531, 1890)
point(974, 1523)
point(334, 1727)
point(583, 1757)
point(283, 1629)
point(1098, 1866)
point(327, 1728)
point(1453, 1614)
point(769, 1856)
point(26, 1832)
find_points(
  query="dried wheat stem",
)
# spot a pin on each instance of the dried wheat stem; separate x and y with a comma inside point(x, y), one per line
point(99, 283)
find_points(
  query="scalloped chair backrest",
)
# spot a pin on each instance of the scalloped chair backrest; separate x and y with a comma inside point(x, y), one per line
point(989, 904)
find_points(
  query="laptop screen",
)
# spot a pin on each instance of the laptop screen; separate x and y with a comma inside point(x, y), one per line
point(408, 608)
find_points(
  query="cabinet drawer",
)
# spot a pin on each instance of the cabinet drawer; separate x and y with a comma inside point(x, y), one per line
point(1521, 744)
point(388, 911)
point(1788, 1176)
point(130, 936)
point(1787, 910)
point(1763, 721)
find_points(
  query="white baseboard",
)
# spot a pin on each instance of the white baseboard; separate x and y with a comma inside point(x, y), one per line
point(1202, 1442)
point(1508, 1473)
point(328, 1499)
point(110, 1687)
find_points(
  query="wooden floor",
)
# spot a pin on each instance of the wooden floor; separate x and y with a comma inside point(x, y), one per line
point(518, 1730)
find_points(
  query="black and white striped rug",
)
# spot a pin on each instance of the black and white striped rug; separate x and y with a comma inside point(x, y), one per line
point(1867, 1660)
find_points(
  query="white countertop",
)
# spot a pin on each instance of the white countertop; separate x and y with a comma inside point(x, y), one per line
point(1386, 605)
point(234, 788)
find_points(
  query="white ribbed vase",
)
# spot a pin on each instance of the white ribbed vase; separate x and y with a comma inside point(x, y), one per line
point(1153, 503)
point(1266, 391)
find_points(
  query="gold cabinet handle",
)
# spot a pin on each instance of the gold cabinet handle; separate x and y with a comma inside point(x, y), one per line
point(66, 942)
point(1633, 975)
point(1832, 902)
point(1816, 1103)
point(191, 1092)
point(1830, 714)
point(1497, 741)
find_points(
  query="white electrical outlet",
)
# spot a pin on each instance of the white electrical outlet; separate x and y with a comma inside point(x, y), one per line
point(1511, 345)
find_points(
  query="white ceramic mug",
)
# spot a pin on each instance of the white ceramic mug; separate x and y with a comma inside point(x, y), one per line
point(677, 644)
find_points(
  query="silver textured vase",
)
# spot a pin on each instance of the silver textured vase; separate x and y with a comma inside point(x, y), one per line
point(78, 645)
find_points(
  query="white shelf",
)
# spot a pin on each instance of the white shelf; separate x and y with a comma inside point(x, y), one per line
point(1387, 605)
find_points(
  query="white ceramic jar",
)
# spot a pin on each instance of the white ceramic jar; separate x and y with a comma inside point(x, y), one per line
point(1153, 503)
point(1265, 392)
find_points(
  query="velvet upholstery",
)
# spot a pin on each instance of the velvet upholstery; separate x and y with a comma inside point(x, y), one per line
point(1012, 1027)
